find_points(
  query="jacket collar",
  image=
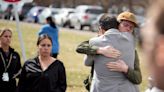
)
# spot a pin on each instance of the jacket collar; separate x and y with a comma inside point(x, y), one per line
point(10, 49)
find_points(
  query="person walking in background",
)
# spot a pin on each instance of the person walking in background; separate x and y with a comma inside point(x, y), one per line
point(10, 64)
point(153, 45)
point(43, 73)
point(51, 30)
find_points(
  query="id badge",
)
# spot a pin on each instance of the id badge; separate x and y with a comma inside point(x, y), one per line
point(5, 77)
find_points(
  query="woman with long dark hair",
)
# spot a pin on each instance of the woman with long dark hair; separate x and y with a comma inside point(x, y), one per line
point(43, 73)
point(51, 30)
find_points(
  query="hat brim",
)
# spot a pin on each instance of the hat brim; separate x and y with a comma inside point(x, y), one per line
point(135, 24)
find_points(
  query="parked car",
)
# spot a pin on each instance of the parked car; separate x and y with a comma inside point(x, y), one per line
point(84, 15)
point(32, 15)
point(7, 9)
point(8, 14)
point(61, 18)
point(47, 12)
point(1, 12)
point(25, 9)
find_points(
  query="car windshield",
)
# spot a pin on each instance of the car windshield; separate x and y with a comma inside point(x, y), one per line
point(94, 11)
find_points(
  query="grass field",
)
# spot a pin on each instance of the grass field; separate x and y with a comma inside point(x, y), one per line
point(69, 39)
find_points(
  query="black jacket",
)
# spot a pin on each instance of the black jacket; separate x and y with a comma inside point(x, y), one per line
point(34, 79)
point(13, 70)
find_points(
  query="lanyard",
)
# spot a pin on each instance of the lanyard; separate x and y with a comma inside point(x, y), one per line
point(6, 66)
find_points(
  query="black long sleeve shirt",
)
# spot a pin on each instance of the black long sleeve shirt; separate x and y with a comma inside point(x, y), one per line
point(33, 79)
point(13, 69)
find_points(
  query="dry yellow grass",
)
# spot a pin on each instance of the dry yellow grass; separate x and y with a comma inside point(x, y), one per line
point(69, 39)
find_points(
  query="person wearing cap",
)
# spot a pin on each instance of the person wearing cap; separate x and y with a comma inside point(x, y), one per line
point(127, 23)
point(133, 75)
point(105, 80)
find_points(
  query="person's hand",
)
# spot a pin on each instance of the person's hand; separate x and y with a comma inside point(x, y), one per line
point(118, 66)
point(109, 51)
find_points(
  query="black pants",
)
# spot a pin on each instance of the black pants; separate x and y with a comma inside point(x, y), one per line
point(8, 86)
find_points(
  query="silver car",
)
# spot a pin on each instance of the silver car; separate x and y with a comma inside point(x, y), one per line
point(84, 15)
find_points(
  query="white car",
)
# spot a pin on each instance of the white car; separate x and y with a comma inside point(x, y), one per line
point(62, 17)
point(84, 15)
point(46, 13)
point(32, 15)
point(7, 9)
